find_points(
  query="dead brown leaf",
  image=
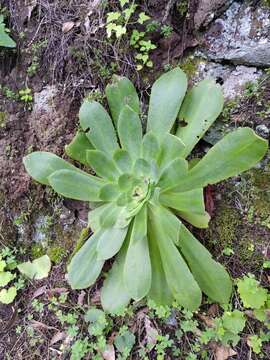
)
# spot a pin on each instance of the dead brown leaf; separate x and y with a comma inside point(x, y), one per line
point(109, 353)
point(151, 333)
point(67, 26)
point(207, 320)
point(59, 336)
point(40, 291)
point(222, 352)
point(213, 310)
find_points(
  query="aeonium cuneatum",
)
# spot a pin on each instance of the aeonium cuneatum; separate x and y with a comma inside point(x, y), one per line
point(143, 186)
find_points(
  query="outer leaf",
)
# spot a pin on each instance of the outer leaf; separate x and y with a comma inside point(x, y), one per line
point(114, 296)
point(210, 275)
point(201, 107)
point(190, 201)
point(75, 185)
point(150, 147)
point(102, 164)
point(120, 93)
point(137, 269)
point(159, 292)
point(199, 220)
point(235, 153)
point(95, 216)
point(171, 175)
point(122, 160)
point(98, 126)
point(166, 97)
point(110, 241)
point(38, 269)
point(130, 131)
point(85, 267)
point(76, 150)
point(179, 278)
point(41, 164)
point(171, 149)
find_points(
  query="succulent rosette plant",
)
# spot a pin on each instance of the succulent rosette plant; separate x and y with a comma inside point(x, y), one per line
point(143, 186)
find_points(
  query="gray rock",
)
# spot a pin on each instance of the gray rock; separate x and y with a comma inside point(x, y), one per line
point(241, 36)
point(43, 100)
point(263, 131)
point(207, 10)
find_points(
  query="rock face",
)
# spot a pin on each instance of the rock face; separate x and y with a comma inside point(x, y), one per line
point(241, 36)
point(207, 10)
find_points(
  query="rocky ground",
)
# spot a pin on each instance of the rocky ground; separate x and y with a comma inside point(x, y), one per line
point(64, 54)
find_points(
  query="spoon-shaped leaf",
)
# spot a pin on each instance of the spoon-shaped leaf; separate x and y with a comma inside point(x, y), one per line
point(166, 97)
point(199, 220)
point(174, 171)
point(130, 131)
point(97, 124)
point(41, 164)
point(122, 160)
point(85, 267)
point(110, 241)
point(114, 296)
point(202, 105)
point(120, 93)
point(76, 150)
point(102, 164)
point(137, 269)
point(210, 275)
point(235, 153)
point(150, 147)
point(171, 149)
point(190, 201)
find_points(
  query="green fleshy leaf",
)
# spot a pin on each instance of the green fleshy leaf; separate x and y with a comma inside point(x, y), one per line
point(179, 278)
point(98, 126)
point(102, 164)
point(167, 94)
point(199, 220)
point(76, 150)
point(130, 131)
point(122, 160)
point(236, 152)
point(173, 173)
point(137, 270)
point(211, 276)
point(109, 192)
point(171, 149)
point(120, 93)
point(201, 107)
point(150, 147)
point(110, 241)
point(85, 267)
point(191, 201)
point(37, 269)
point(114, 296)
point(95, 216)
point(76, 185)
point(41, 164)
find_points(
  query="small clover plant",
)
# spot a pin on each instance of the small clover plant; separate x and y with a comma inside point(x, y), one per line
point(144, 186)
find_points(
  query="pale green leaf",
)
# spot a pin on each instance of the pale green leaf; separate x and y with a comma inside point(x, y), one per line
point(76, 185)
point(110, 241)
point(109, 192)
point(120, 93)
point(85, 267)
point(122, 160)
point(172, 174)
point(95, 216)
point(114, 296)
point(98, 126)
point(211, 276)
point(8, 295)
point(76, 150)
point(41, 164)
point(190, 201)
point(179, 278)
point(171, 149)
point(201, 107)
point(150, 147)
point(236, 152)
point(5, 278)
point(37, 269)
point(137, 270)
point(166, 97)
point(102, 164)
point(130, 131)
point(199, 220)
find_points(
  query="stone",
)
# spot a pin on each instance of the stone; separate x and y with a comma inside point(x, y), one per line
point(263, 131)
point(241, 36)
point(207, 10)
